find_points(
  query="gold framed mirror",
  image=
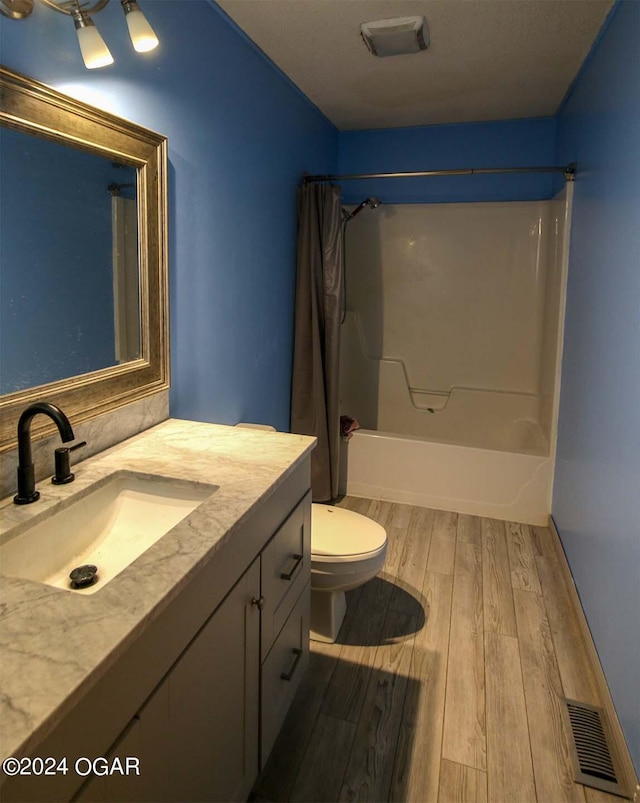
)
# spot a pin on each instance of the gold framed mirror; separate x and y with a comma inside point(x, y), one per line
point(31, 109)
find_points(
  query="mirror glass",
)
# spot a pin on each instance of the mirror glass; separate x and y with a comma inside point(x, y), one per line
point(69, 272)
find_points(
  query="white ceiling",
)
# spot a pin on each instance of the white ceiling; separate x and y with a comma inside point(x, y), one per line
point(488, 59)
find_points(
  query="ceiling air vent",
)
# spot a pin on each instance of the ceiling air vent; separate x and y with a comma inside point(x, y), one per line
point(593, 761)
point(396, 37)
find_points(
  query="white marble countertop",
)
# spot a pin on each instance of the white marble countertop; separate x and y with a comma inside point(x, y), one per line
point(53, 643)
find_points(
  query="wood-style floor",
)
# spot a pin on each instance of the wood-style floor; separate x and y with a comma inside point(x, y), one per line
point(444, 682)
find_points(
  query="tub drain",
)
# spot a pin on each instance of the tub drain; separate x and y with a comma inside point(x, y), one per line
point(83, 576)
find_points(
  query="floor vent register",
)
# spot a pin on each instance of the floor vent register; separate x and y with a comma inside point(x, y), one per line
point(594, 763)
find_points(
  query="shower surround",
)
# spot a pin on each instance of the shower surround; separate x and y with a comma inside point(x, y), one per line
point(450, 354)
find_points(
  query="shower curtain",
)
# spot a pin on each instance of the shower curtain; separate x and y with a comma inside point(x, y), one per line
point(315, 392)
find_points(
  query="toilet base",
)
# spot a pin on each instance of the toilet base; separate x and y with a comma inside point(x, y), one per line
point(327, 613)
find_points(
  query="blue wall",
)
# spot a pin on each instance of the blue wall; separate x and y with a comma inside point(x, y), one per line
point(510, 143)
point(240, 138)
point(596, 501)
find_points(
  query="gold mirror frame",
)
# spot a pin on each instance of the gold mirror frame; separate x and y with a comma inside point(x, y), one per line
point(34, 108)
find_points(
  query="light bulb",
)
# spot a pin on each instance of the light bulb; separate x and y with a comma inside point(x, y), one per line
point(142, 35)
point(94, 51)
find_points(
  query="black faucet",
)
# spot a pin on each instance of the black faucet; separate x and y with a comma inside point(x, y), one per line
point(26, 479)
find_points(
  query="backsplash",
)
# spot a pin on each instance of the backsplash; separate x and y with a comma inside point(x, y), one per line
point(100, 433)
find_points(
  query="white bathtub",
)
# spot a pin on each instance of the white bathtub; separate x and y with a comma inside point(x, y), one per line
point(483, 482)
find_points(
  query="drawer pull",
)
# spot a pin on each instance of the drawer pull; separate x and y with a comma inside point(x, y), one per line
point(289, 575)
point(298, 655)
point(258, 602)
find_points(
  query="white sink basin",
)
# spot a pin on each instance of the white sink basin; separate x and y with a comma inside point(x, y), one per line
point(109, 527)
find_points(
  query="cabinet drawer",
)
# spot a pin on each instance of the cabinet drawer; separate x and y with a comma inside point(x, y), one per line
point(282, 672)
point(286, 569)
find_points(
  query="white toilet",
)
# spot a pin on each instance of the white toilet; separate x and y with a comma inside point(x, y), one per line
point(347, 549)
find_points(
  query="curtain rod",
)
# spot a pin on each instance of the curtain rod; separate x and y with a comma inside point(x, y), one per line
point(569, 172)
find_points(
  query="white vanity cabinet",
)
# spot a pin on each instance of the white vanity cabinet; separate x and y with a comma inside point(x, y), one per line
point(201, 691)
point(200, 734)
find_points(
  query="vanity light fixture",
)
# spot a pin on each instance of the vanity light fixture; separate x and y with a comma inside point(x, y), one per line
point(95, 52)
point(142, 35)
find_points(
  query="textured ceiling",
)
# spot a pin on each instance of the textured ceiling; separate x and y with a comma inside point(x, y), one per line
point(488, 59)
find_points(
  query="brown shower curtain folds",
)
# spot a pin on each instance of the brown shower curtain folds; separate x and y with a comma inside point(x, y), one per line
point(315, 399)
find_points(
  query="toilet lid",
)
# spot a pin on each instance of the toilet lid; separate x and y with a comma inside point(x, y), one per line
point(337, 534)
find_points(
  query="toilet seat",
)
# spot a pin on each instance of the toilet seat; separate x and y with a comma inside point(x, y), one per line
point(339, 535)
point(343, 536)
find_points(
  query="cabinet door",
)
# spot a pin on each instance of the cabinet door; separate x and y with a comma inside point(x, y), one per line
point(197, 735)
